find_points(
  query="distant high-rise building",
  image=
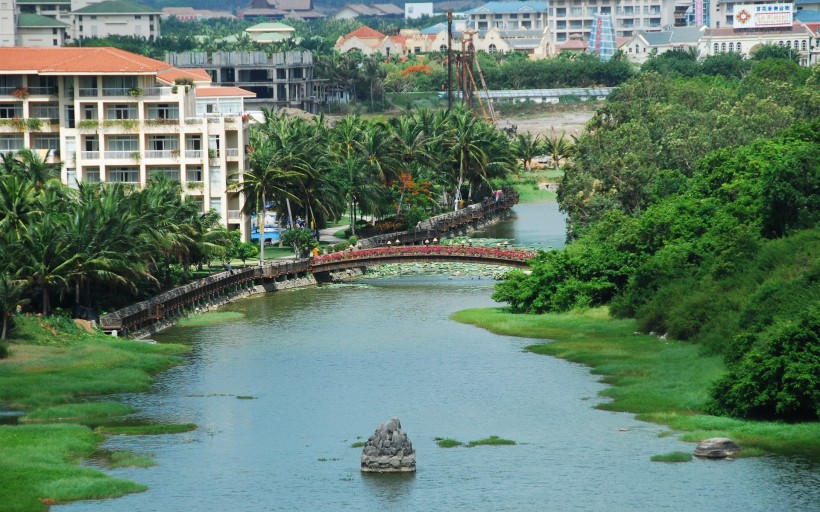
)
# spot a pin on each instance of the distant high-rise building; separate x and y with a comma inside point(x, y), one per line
point(602, 37)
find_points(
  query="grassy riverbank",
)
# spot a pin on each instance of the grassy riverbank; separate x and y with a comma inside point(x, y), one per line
point(52, 371)
point(662, 381)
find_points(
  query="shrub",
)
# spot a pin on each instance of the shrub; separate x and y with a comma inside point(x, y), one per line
point(778, 380)
point(4, 350)
point(340, 246)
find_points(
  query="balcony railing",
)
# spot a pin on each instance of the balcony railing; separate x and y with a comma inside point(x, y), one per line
point(88, 93)
point(169, 153)
point(8, 91)
point(193, 153)
point(43, 91)
point(90, 155)
point(119, 91)
point(119, 154)
point(232, 152)
point(156, 91)
point(234, 215)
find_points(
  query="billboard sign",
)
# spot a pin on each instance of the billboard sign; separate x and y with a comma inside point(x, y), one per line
point(763, 15)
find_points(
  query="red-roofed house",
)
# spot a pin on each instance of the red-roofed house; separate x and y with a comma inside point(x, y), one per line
point(112, 116)
point(369, 42)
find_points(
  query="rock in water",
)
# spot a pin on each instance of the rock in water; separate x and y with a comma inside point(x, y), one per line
point(388, 450)
point(716, 448)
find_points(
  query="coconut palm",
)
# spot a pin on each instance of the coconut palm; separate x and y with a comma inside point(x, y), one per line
point(558, 147)
point(47, 260)
point(526, 148)
point(277, 164)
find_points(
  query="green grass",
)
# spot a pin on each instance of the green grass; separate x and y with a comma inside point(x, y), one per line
point(144, 430)
point(122, 459)
point(661, 381)
point(490, 441)
point(672, 457)
point(52, 368)
point(528, 185)
point(39, 466)
point(78, 412)
point(210, 318)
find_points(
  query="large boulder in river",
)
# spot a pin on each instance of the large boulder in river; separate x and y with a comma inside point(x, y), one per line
point(716, 448)
point(388, 450)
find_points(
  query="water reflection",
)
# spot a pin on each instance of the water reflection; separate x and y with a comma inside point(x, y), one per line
point(389, 487)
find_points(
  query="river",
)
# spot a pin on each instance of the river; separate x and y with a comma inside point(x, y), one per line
point(281, 394)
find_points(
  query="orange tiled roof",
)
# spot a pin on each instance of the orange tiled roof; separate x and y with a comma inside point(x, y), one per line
point(364, 33)
point(198, 74)
point(77, 60)
point(212, 92)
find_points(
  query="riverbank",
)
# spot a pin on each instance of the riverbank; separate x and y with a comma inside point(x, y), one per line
point(53, 371)
point(659, 380)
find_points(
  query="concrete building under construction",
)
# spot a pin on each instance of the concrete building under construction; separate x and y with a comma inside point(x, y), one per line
point(279, 80)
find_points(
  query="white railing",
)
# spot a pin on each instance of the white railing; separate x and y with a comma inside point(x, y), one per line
point(89, 92)
point(193, 153)
point(234, 215)
point(90, 155)
point(169, 153)
point(120, 154)
point(229, 152)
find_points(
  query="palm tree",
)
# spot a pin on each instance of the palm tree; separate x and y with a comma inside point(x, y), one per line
point(526, 148)
point(277, 162)
point(558, 148)
point(47, 258)
point(12, 286)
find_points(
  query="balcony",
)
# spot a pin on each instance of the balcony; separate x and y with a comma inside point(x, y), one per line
point(88, 93)
point(90, 155)
point(232, 152)
point(133, 92)
point(42, 91)
point(157, 91)
point(121, 155)
point(234, 215)
point(168, 153)
point(194, 153)
point(8, 91)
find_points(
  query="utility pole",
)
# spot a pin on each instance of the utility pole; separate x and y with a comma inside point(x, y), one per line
point(450, 61)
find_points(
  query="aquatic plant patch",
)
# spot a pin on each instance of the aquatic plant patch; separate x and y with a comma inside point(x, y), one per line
point(672, 457)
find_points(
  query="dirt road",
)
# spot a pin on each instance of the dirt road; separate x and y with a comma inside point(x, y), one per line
point(571, 122)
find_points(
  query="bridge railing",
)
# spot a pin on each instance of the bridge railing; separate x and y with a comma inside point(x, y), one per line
point(489, 253)
point(439, 225)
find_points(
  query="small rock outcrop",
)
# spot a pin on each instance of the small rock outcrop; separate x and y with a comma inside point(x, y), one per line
point(388, 450)
point(716, 448)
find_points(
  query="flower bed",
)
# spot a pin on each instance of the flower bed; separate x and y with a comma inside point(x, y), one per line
point(424, 250)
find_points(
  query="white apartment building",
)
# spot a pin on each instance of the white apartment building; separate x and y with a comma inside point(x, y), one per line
point(55, 22)
point(113, 116)
point(564, 18)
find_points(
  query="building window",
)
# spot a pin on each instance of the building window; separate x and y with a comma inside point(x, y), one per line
point(802, 45)
point(169, 171)
point(738, 47)
point(9, 111)
point(561, 12)
point(10, 143)
point(47, 111)
point(125, 144)
point(731, 47)
point(492, 48)
point(163, 143)
point(50, 142)
point(91, 174)
point(137, 17)
point(122, 112)
point(163, 111)
point(123, 175)
point(722, 47)
point(194, 174)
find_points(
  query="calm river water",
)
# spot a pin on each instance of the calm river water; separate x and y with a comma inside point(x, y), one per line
point(326, 365)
